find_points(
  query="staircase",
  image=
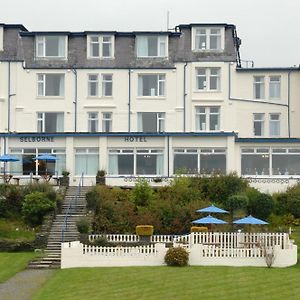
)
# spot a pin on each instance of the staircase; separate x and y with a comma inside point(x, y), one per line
point(52, 256)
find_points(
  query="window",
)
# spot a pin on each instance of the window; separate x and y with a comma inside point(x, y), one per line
point(50, 122)
point(51, 46)
point(107, 122)
point(255, 162)
point(196, 161)
point(51, 85)
point(151, 46)
point(259, 87)
point(208, 39)
point(136, 162)
point(121, 162)
point(286, 161)
point(274, 87)
point(208, 79)
point(93, 85)
point(151, 85)
point(149, 162)
point(258, 124)
point(274, 125)
point(27, 164)
point(92, 121)
point(106, 85)
point(151, 122)
point(207, 118)
point(86, 161)
point(100, 46)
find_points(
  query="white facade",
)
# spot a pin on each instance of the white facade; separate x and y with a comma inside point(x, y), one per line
point(170, 102)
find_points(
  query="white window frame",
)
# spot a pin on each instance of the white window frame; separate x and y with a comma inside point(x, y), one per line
point(208, 75)
point(161, 40)
point(207, 113)
point(275, 80)
point(105, 119)
point(261, 121)
point(160, 81)
point(207, 35)
point(93, 81)
point(101, 41)
point(41, 118)
point(41, 81)
point(93, 117)
point(160, 120)
point(40, 40)
point(105, 82)
point(275, 123)
point(259, 81)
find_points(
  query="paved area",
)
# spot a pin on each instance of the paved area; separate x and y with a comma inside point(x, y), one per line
point(24, 284)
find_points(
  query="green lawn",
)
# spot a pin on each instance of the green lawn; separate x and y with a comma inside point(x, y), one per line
point(173, 283)
point(12, 263)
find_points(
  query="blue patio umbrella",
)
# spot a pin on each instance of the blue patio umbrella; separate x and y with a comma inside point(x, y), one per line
point(46, 157)
point(7, 158)
point(212, 209)
point(209, 220)
point(250, 221)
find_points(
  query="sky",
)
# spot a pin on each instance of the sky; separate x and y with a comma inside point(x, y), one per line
point(269, 29)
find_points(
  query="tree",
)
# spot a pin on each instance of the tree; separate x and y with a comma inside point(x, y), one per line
point(235, 202)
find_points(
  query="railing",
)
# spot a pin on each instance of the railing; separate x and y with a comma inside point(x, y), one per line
point(120, 251)
point(72, 204)
point(116, 238)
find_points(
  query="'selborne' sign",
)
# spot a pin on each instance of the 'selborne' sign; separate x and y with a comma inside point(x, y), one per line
point(37, 139)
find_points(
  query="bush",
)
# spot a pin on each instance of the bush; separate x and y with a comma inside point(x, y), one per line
point(177, 257)
point(260, 205)
point(142, 193)
point(199, 229)
point(35, 206)
point(16, 245)
point(83, 226)
point(144, 230)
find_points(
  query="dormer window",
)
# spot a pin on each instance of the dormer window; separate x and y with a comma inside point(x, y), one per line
point(151, 46)
point(51, 46)
point(100, 46)
point(205, 39)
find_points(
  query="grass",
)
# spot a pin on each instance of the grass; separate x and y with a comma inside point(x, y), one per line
point(13, 230)
point(12, 263)
point(173, 283)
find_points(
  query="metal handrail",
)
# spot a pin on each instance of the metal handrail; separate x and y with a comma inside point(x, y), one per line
point(71, 203)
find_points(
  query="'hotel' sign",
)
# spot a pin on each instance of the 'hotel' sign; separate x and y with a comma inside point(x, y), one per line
point(140, 139)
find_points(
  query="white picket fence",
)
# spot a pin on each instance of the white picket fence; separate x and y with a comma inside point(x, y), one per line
point(205, 248)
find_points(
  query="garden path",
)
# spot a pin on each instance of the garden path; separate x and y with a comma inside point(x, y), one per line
point(24, 284)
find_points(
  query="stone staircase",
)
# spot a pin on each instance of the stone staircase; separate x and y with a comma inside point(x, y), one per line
point(52, 257)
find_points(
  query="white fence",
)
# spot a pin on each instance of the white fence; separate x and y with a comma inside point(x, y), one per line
point(209, 248)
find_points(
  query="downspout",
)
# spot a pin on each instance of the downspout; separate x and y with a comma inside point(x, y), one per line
point(8, 99)
point(168, 156)
point(184, 96)
point(75, 100)
point(289, 97)
point(129, 100)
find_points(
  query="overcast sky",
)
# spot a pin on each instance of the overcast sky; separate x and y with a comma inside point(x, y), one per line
point(269, 29)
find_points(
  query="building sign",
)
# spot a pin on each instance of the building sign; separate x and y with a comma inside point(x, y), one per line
point(140, 139)
point(36, 139)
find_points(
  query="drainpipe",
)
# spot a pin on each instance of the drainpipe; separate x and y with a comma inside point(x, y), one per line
point(184, 96)
point(75, 100)
point(129, 100)
point(168, 156)
point(289, 97)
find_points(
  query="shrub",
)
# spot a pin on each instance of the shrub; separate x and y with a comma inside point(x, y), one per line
point(35, 206)
point(142, 193)
point(199, 229)
point(101, 242)
point(177, 257)
point(145, 230)
point(260, 205)
point(235, 202)
point(83, 226)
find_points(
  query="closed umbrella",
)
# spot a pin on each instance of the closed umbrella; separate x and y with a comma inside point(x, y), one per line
point(250, 221)
point(212, 209)
point(7, 158)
